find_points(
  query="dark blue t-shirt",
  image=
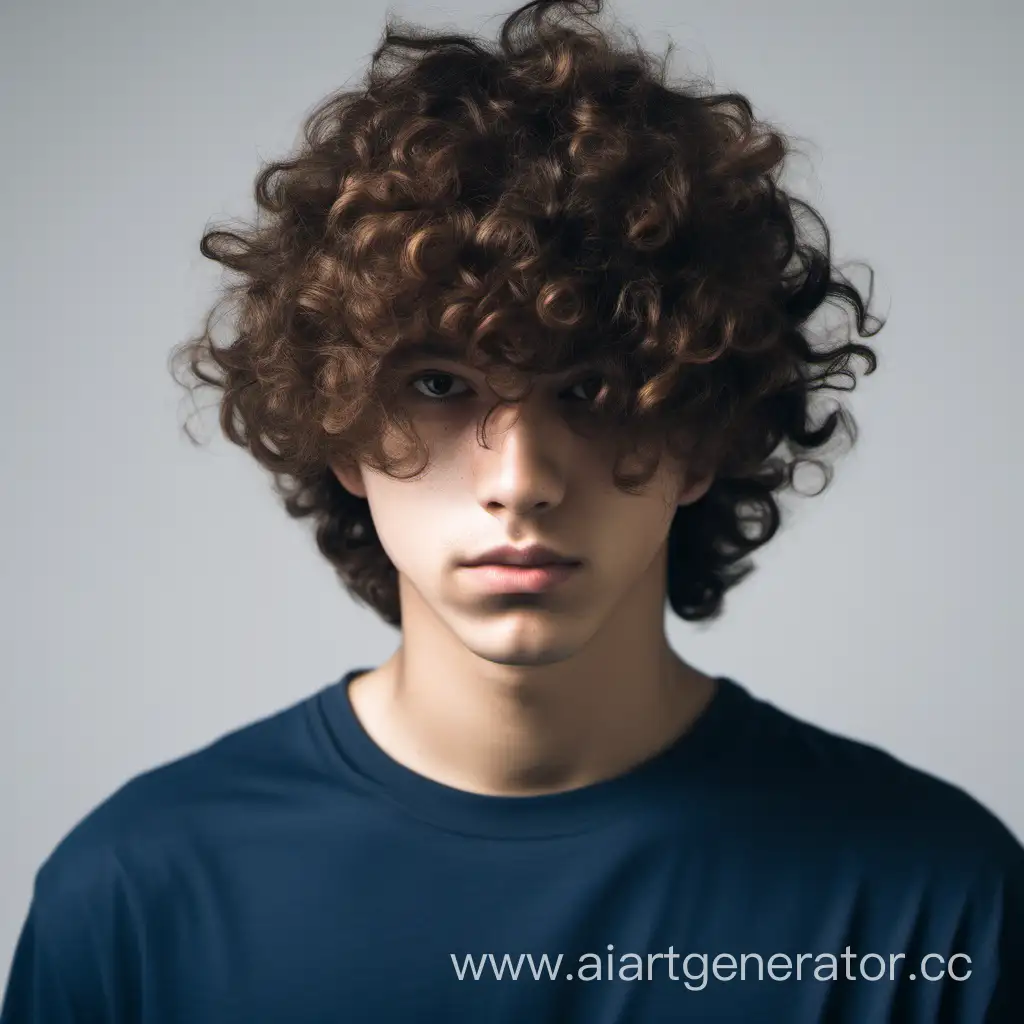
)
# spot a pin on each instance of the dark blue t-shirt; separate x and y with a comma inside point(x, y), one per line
point(759, 870)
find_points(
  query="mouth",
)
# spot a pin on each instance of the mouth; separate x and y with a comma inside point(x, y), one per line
point(534, 556)
point(503, 578)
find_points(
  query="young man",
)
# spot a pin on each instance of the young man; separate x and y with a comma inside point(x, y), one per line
point(525, 331)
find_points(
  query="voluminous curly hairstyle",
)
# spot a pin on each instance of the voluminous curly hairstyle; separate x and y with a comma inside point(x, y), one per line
point(540, 202)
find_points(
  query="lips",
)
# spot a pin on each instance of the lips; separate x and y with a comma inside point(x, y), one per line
point(508, 564)
point(496, 578)
point(533, 556)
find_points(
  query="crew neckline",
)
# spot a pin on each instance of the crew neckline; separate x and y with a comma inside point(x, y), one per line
point(647, 785)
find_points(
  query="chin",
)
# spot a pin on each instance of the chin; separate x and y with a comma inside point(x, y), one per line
point(523, 658)
point(524, 643)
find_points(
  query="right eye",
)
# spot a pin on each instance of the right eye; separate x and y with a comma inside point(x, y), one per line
point(439, 380)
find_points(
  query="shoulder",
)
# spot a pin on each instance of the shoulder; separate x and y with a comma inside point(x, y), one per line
point(194, 797)
point(868, 798)
point(123, 863)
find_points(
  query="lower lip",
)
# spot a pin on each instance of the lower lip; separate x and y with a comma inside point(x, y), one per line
point(523, 579)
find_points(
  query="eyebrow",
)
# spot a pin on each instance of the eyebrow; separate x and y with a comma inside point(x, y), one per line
point(436, 348)
point(441, 348)
point(444, 348)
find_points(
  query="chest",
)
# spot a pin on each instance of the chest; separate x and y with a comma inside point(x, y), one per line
point(626, 926)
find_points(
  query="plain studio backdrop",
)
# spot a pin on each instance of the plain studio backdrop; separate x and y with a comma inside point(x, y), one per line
point(155, 595)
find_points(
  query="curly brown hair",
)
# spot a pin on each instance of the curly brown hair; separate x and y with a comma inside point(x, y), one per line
point(536, 203)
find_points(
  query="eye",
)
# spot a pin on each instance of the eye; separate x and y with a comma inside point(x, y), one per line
point(592, 384)
point(437, 379)
point(442, 386)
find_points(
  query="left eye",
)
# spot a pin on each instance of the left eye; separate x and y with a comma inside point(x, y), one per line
point(439, 386)
point(446, 380)
point(591, 383)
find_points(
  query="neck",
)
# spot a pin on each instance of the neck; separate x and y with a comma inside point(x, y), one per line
point(512, 729)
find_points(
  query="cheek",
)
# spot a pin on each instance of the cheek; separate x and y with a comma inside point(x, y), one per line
point(392, 519)
point(410, 518)
point(628, 530)
point(646, 524)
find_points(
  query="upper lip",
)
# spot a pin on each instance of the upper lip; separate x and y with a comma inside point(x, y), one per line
point(535, 554)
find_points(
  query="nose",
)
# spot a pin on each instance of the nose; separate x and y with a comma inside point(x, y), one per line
point(523, 471)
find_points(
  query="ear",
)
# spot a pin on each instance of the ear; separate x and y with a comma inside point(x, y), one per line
point(694, 487)
point(350, 476)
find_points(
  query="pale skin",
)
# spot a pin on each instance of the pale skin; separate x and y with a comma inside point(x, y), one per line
point(517, 697)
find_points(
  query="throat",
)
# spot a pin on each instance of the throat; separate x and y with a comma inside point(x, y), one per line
point(524, 739)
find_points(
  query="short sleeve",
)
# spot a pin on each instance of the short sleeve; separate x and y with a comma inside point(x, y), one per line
point(36, 992)
point(76, 956)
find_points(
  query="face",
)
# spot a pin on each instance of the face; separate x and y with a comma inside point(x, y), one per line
point(538, 482)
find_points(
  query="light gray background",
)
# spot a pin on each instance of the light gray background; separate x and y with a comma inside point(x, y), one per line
point(155, 596)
